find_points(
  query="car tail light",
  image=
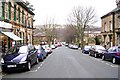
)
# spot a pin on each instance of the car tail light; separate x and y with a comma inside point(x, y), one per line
point(118, 54)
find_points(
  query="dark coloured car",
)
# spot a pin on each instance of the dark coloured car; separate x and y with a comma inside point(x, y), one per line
point(112, 54)
point(41, 52)
point(86, 49)
point(19, 57)
point(97, 51)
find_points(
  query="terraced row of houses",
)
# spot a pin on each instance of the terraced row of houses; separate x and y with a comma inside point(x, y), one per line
point(16, 24)
point(111, 27)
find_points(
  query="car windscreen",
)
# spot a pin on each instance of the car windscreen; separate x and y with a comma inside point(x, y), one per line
point(23, 49)
point(100, 47)
point(13, 50)
point(87, 47)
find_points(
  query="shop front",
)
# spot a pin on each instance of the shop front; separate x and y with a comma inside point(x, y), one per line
point(7, 37)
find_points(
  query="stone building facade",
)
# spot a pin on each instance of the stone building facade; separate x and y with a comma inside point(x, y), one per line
point(16, 23)
point(111, 27)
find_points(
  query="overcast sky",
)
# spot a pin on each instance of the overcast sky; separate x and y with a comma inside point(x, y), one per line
point(60, 9)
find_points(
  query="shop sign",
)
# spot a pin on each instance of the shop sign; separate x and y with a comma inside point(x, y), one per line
point(5, 25)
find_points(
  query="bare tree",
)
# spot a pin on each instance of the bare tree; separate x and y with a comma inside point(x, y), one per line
point(69, 34)
point(50, 30)
point(80, 19)
point(29, 5)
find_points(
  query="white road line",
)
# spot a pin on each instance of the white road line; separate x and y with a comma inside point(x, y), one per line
point(107, 63)
point(39, 67)
point(44, 61)
point(98, 59)
point(41, 64)
point(33, 71)
point(102, 61)
point(114, 65)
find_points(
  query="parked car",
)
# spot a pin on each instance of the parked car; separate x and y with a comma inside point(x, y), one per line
point(97, 51)
point(66, 44)
point(52, 46)
point(19, 57)
point(113, 54)
point(73, 46)
point(41, 52)
point(47, 49)
point(86, 49)
point(70, 45)
point(58, 44)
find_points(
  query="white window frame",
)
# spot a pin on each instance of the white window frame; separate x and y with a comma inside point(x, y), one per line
point(111, 27)
point(105, 27)
point(119, 22)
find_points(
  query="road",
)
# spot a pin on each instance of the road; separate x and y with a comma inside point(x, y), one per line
point(69, 63)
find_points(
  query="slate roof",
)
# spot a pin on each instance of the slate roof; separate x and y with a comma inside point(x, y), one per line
point(113, 11)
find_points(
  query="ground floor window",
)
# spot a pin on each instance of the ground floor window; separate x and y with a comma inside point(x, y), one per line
point(118, 39)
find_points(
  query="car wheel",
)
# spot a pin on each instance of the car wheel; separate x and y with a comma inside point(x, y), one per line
point(103, 57)
point(89, 54)
point(95, 55)
point(37, 60)
point(28, 66)
point(114, 61)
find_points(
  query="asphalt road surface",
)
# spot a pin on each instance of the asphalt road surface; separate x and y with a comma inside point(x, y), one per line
point(69, 63)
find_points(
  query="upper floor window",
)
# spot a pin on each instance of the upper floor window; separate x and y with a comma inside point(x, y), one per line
point(3, 10)
point(105, 27)
point(119, 22)
point(23, 17)
point(14, 12)
point(9, 10)
point(19, 14)
point(110, 26)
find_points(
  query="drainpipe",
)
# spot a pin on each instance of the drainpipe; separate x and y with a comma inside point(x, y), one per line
point(113, 20)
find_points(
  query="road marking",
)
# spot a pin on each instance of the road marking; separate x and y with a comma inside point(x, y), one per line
point(39, 67)
point(33, 71)
point(98, 59)
point(40, 64)
point(107, 64)
point(102, 61)
point(44, 61)
point(114, 65)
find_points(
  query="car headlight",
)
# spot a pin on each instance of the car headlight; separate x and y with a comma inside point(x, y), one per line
point(23, 60)
point(2, 60)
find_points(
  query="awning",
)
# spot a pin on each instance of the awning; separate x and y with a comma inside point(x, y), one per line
point(12, 36)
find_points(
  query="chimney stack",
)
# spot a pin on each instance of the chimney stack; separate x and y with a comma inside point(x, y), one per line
point(118, 3)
